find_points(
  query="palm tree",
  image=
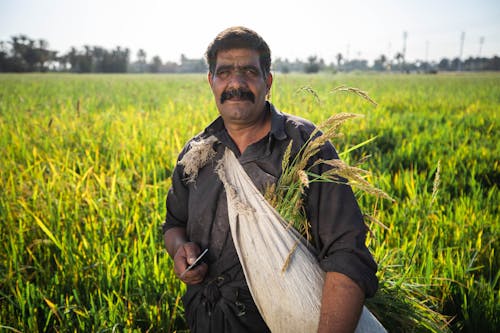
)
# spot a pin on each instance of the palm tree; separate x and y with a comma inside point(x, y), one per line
point(339, 60)
point(156, 64)
point(400, 59)
point(141, 59)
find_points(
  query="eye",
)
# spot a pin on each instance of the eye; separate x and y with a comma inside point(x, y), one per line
point(251, 72)
point(223, 73)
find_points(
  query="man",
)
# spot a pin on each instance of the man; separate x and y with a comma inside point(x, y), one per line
point(217, 297)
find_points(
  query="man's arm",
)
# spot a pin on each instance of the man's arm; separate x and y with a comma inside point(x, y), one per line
point(341, 304)
point(173, 238)
point(184, 253)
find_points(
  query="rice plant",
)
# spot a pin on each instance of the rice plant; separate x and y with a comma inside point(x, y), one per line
point(85, 162)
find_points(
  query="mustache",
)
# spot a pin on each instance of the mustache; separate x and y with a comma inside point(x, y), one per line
point(237, 93)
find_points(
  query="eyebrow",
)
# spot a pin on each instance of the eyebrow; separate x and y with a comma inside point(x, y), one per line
point(225, 67)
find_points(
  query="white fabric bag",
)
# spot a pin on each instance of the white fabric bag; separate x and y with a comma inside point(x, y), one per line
point(288, 299)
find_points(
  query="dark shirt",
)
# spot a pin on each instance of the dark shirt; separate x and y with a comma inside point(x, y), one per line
point(337, 225)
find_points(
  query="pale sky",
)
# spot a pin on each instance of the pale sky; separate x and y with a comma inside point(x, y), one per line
point(292, 28)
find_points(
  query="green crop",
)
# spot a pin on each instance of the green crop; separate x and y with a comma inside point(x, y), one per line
point(85, 162)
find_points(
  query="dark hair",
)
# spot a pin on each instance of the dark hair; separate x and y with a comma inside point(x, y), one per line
point(239, 38)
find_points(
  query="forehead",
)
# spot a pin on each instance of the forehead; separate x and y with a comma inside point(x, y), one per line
point(237, 57)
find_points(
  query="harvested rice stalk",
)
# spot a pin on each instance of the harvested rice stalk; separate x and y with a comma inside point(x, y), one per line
point(200, 152)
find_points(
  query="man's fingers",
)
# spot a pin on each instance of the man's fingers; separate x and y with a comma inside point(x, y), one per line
point(196, 275)
point(180, 260)
point(201, 269)
point(186, 255)
point(192, 251)
point(180, 265)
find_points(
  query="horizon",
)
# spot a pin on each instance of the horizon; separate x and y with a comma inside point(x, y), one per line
point(434, 30)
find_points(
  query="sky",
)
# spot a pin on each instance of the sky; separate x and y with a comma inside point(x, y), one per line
point(293, 29)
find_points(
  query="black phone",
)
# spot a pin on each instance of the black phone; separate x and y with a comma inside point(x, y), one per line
point(195, 263)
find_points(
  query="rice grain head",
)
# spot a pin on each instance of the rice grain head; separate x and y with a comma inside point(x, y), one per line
point(199, 154)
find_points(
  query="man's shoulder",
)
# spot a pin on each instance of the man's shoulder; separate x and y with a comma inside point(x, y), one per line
point(208, 134)
point(296, 127)
point(300, 130)
point(200, 139)
point(297, 123)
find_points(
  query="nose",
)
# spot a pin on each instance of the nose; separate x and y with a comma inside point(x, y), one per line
point(237, 79)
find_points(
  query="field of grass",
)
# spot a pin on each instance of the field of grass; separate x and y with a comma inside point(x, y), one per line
point(84, 171)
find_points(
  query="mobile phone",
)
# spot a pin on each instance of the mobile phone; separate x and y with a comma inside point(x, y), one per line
point(195, 263)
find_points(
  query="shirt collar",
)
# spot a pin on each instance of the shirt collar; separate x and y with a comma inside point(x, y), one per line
point(277, 123)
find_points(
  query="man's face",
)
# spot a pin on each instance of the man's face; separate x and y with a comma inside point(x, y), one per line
point(239, 86)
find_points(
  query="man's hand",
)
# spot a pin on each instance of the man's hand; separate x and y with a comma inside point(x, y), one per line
point(186, 255)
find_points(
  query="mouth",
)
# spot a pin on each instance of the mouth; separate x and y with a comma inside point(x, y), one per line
point(237, 95)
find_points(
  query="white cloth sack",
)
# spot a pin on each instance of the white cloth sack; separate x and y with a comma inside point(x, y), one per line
point(288, 299)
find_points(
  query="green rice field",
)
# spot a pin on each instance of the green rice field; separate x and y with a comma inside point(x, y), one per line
point(85, 162)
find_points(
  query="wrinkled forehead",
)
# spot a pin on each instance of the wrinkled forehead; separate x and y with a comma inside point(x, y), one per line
point(238, 58)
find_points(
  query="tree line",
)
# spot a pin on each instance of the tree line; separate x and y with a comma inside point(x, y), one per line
point(23, 54)
point(386, 64)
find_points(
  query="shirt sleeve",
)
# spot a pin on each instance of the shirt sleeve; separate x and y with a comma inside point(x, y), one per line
point(177, 201)
point(339, 231)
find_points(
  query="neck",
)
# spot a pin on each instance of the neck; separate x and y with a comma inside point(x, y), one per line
point(245, 135)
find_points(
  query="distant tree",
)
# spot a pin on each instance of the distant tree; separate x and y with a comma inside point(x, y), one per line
point(22, 58)
point(4, 57)
point(380, 63)
point(281, 65)
point(285, 69)
point(444, 64)
point(141, 59)
point(400, 59)
point(120, 60)
point(472, 64)
point(85, 60)
point(10, 60)
point(72, 56)
point(155, 66)
point(15, 46)
point(356, 64)
point(494, 64)
point(63, 61)
point(97, 60)
point(322, 64)
point(481, 64)
point(43, 55)
point(455, 64)
point(426, 67)
point(101, 59)
point(30, 55)
point(184, 59)
point(312, 65)
point(339, 58)
point(26, 55)
point(192, 65)
point(171, 67)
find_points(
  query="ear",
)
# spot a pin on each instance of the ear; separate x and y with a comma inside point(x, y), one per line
point(269, 81)
point(210, 78)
